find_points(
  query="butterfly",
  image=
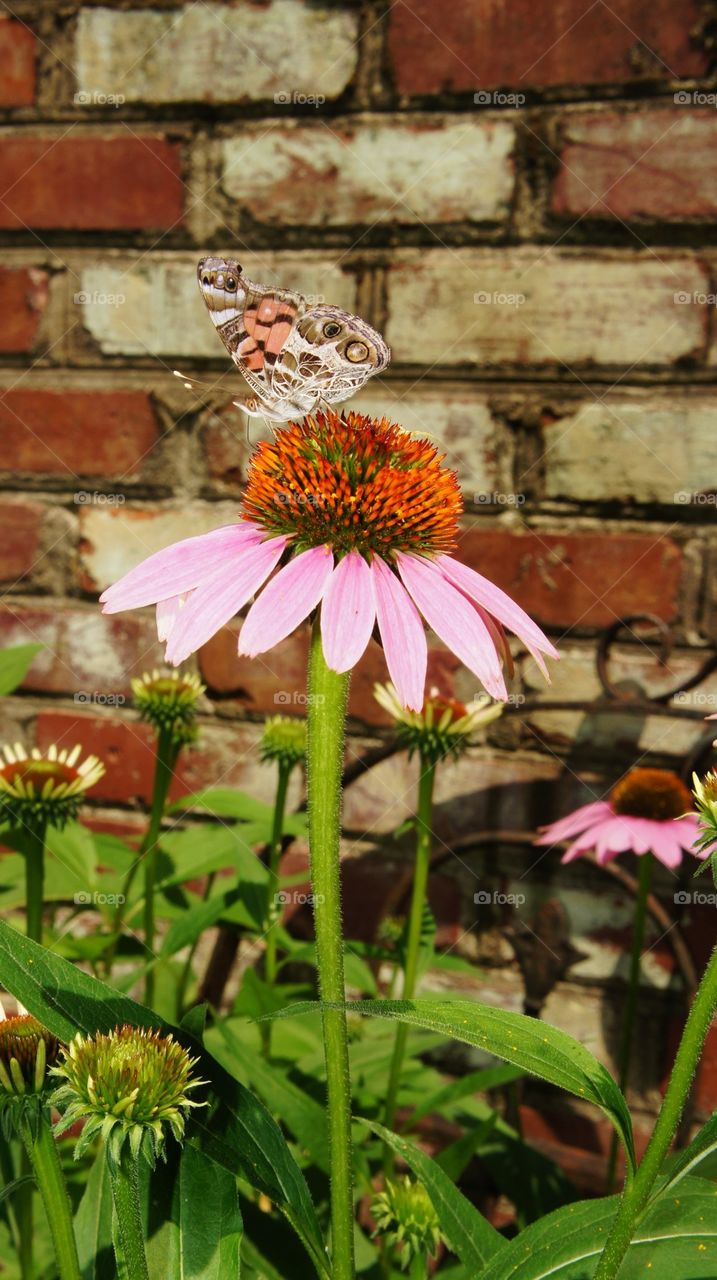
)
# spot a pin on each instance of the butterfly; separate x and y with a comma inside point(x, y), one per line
point(294, 356)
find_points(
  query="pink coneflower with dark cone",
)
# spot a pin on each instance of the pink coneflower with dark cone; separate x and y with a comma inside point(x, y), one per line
point(360, 516)
point(647, 812)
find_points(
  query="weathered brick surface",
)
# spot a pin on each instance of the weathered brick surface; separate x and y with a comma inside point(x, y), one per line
point(521, 47)
point(18, 50)
point(85, 653)
point(545, 307)
point(150, 306)
point(643, 449)
point(642, 164)
point(23, 297)
point(217, 52)
point(75, 433)
point(20, 537)
point(116, 537)
point(125, 183)
point(580, 579)
point(372, 171)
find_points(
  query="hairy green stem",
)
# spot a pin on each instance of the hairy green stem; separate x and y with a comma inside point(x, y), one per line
point(164, 768)
point(413, 942)
point(129, 1237)
point(328, 693)
point(633, 990)
point(637, 1192)
point(43, 1157)
point(273, 908)
point(187, 967)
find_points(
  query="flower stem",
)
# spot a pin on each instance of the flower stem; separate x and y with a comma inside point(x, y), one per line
point(328, 693)
point(413, 942)
point(164, 768)
point(273, 910)
point(34, 879)
point(633, 989)
point(41, 1149)
point(129, 1241)
point(636, 1194)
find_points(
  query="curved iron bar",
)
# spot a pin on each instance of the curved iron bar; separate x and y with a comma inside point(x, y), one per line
point(610, 635)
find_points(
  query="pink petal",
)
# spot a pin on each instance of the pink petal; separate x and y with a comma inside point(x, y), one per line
point(348, 612)
point(499, 603)
point(402, 634)
point(666, 844)
point(585, 843)
point(286, 601)
point(167, 611)
point(581, 819)
point(613, 837)
point(454, 619)
point(179, 567)
point(220, 597)
point(687, 829)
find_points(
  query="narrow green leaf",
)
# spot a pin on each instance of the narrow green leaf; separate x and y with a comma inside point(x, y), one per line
point(474, 1082)
point(93, 1225)
point(200, 1232)
point(685, 1162)
point(470, 1235)
point(535, 1046)
point(677, 1239)
point(12, 1187)
point(14, 665)
point(224, 802)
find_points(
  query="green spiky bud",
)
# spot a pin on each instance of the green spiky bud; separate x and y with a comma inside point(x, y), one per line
point(27, 1050)
point(404, 1214)
point(168, 700)
point(284, 741)
point(129, 1086)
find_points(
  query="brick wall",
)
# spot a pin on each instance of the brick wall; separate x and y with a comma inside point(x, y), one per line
point(523, 201)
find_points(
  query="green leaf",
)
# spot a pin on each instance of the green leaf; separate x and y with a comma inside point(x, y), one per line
point(535, 1046)
point(302, 1114)
point(197, 851)
point(93, 1225)
point(225, 802)
point(17, 1185)
point(676, 1239)
point(470, 1235)
point(201, 1235)
point(236, 1130)
point(14, 665)
point(188, 926)
point(685, 1162)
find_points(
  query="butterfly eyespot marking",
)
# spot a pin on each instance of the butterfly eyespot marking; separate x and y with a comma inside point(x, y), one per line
point(332, 329)
point(356, 352)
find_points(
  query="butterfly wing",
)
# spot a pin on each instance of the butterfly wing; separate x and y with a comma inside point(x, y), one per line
point(292, 356)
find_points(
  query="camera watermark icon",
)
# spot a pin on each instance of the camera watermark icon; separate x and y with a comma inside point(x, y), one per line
point(299, 499)
point(694, 98)
point(291, 697)
point(295, 898)
point(292, 98)
point(487, 898)
point(86, 899)
point(85, 697)
point(97, 299)
point(683, 299)
point(686, 499)
point(87, 498)
point(496, 499)
point(695, 897)
point(516, 699)
point(87, 98)
point(696, 698)
point(496, 98)
point(497, 298)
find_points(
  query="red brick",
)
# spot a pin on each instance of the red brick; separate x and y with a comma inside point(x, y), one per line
point(86, 653)
point(579, 579)
point(648, 164)
point(224, 757)
point(465, 46)
point(275, 683)
point(23, 297)
point(20, 535)
point(86, 183)
point(86, 433)
point(18, 47)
